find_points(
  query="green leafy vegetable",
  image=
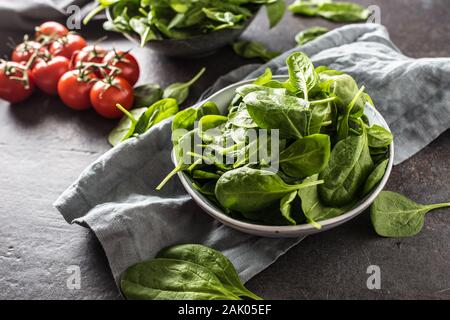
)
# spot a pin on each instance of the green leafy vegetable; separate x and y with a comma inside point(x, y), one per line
point(180, 91)
point(350, 165)
point(253, 49)
point(306, 156)
point(394, 215)
point(312, 206)
point(334, 11)
point(310, 34)
point(147, 95)
point(375, 177)
point(249, 190)
point(177, 19)
point(285, 153)
point(212, 260)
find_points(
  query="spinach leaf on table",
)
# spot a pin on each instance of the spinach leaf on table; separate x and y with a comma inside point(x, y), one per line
point(180, 91)
point(170, 279)
point(253, 49)
point(146, 95)
point(334, 11)
point(275, 12)
point(215, 261)
point(310, 34)
point(394, 215)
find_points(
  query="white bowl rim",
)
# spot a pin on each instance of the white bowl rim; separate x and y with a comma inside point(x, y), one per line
point(305, 228)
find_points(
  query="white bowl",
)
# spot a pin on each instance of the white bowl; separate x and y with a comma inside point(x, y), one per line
point(222, 99)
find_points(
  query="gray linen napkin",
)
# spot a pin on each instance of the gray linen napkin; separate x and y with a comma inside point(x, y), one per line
point(116, 195)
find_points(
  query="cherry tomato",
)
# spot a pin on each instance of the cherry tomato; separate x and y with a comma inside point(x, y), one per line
point(24, 51)
point(105, 95)
point(92, 54)
point(74, 89)
point(68, 45)
point(13, 90)
point(129, 67)
point(51, 28)
point(46, 74)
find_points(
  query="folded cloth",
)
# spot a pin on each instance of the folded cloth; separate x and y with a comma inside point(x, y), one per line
point(116, 195)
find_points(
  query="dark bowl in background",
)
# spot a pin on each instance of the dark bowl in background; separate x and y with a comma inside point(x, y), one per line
point(194, 47)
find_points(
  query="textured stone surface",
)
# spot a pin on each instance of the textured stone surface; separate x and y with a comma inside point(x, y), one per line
point(44, 146)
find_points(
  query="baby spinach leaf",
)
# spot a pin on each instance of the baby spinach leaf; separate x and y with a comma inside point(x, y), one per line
point(312, 207)
point(156, 113)
point(306, 156)
point(146, 95)
point(289, 114)
point(343, 12)
point(247, 190)
point(213, 260)
point(275, 12)
point(286, 207)
point(253, 49)
point(125, 128)
point(170, 279)
point(349, 166)
point(310, 34)
point(379, 137)
point(394, 215)
point(180, 91)
point(375, 177)
point(183, 121)
point(264, 78)
point(334, 11)
point(302, 75)
point(344, 123)
point(208, 108)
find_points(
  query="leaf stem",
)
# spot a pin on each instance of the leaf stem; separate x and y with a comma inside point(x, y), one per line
point(438, 206)
point(177, 169)
point(127, 113)
point(330, 99)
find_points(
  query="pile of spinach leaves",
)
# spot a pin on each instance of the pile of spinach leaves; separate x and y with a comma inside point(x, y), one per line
point(330, 157)
point(185, 272)
point(180, 19)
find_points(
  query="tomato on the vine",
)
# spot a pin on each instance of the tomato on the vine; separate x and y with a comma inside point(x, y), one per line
point(94, 54)
point(46, 74)
point(74, 89)
point(24, 51)
point(51, 28)
point(14, 90)
point(68, 45)
point(106, 94)
point(127, 63)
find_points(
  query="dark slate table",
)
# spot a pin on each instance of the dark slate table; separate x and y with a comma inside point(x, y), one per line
point(44, 146)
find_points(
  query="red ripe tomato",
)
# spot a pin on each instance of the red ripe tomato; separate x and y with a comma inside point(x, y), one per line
point(74, 89)
point(46, 74)
point(92, 54)
point(106, 94)
point(24, 51)
point(51, 28)
point(13, 90)
point(129, 67)
point(68, 45)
